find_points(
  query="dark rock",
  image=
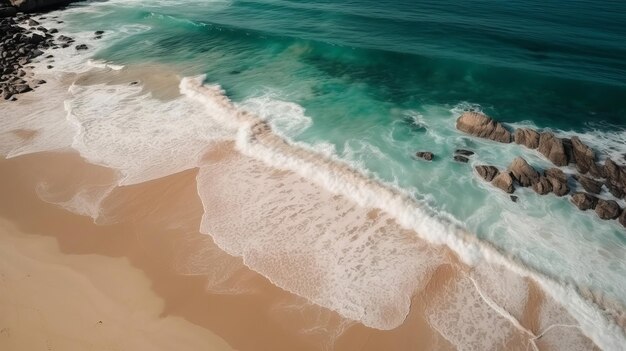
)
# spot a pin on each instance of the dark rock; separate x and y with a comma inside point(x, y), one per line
point(462, 159)
point(464, 152)
point(38, 5)
point(589, 184)
point(22, 88)
point(428, 156)
point(479, 125)
point(584, 201)
point(82, 47)
point(608, 209)
point(49, 67)
point(514, 198)
point(523, 173)
point(542, 186)
point(487, 172)
point(98, 32)
point(552, 148)
point(53, 31)
point(97, 37)
point(504, 181)
point(32, 23)
point(614, 173)
point(8, 12)
point(526, 137)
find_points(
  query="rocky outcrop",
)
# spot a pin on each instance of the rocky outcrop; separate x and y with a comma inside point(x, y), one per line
point(487, 172)
point(504, 181)
point(482, 126)
point(552, 148)
point(38, 5)
point(590, 185)
point(584, 201)
point(523, 173)
point(526, 137)
point(608, 209)
point(558, 181)
point(428, 156)
point(542, 186)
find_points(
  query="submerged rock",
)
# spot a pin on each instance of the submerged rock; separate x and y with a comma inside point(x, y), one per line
point(504, 181)
point(462, 159)
point(464, 152)
point(487, 172)
point(514, 198)
point(552, 148)
point(608, 209)
point(584, 201)
point(526, 137)
point(589, 184)
point(523, 173)
point(428, 156)
point(479, 125)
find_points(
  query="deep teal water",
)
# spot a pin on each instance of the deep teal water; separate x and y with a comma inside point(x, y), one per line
point(383, 79)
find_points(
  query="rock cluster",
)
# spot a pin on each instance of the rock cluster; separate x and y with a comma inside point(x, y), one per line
point(561, 152)
point(22, 40)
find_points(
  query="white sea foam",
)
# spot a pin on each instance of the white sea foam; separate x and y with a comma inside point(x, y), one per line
point(255, 139)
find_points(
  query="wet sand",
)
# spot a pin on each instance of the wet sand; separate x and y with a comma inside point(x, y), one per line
point(147, 245)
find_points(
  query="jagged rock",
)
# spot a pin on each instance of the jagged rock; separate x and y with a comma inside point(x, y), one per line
point(526, 137)
point(479, 125)
point(608, 209)
point(552, 148)
point(33, 23)
point(487, 172)
point(584, 157)
point(504, 181)
point(463, 152)
point(523, 173)
point(615, 189)
point(542, 186)
point(428, 156)
point(461, 159)
point(590, 185)
point(615, 174)
point(584, 201)
point(22, 88)
point(556, 174)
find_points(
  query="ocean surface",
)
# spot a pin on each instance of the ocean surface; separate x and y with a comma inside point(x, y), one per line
point(370, 83)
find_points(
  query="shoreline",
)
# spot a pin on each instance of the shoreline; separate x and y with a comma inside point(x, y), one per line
point(438, 339)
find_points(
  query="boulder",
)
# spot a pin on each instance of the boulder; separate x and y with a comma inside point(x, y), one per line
point(590, 185)
point(542, 186)
point(428, 156)
point(584, 201)
point(552, 148)
point(526, 137)
point(608, 209)
point(523, 173)
point(487, 172)
point(504, 181)
point(614, 173)
point(558, 181)
point(479, 125)
point(622, 218)
point(82, 47)
point(584, 157)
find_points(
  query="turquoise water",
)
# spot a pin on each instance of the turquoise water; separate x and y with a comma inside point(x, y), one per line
point(380, 80)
